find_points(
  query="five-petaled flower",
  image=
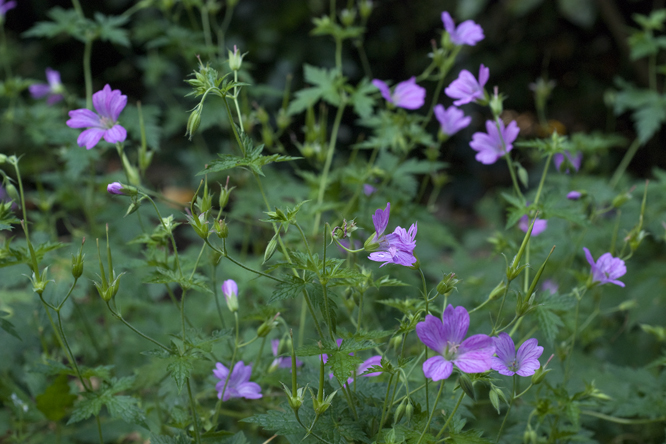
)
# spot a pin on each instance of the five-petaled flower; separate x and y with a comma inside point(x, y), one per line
point(281, 361)
point(472, 355)
point(607, 269)
point(406, 94)
point(466, 88)
point(400, 248)
point(239, 385)
point(451, 120)
point(573, 160)
point(467, 33)
point(508, 362)
point(108, 103)
point(496, 142)
point(53, 90)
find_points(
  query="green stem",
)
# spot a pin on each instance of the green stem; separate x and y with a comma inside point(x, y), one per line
point(499, 313)
point(432, 413)
point(327, 164)
point(173, 240)
point(386, 402)
point(626, 160)
point(514, 180)
point(208, 37)
point(77, 8)
point(99, 429)
point(194, 413)
point(3, 52)
point(617, 420)
point(448, 420)
point(131, 327)
point(425, 347)
point(231, 368)
point(506, 415)
point(573, 342)
point(260, 273)
point(338, 55)
point(87, 73)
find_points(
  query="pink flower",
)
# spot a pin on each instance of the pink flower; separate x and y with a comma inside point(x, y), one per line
point(115, 188)
point(607, 268)
point(574, 195)
point(239, 385)
point(466, 88)
point(495, 143)
point(108, 103)
point(451, 120)
point(406, 95)
point(472, 355)
point(53, 90)
point(539, 226)
point(467, 33)
point(509, 363)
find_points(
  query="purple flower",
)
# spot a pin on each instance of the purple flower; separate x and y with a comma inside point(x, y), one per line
point(406, 95)
point(380, 220)
point(230, 290)
point(473, 355)
point(108, 103)
point(467, 33)
point(239, 385)
point(494, 144)
point(574, 195)
point(539, 226)
point(368, 189)
point(451, 120)
point(509, 363)
point(365, 365)
point(550, 286)
point(466, 88)
point(115, 188)
point(284, 361)
point(53, 89)
point(572, 160)
point(400, 249)
point(607, 268)
point(6, 6)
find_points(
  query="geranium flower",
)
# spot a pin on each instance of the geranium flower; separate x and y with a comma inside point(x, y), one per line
point(451, 120)
point(380, 221)
point(53, 90)
point(473, 355)
point(539, 226)
point(400, 249)
point(495, 143)
point(239, 385)
point(284, 361)
point(573, 159)
point(6, 6)
point(509, 363)
point(466, 88)
point(406, 94)
point(607, 268)
point(368, 189)
point(467, 33)
point(574, 195)
point(230, 290)
point(108, 103)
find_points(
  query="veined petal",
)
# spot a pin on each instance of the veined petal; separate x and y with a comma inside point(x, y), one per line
point(409, 95)
point(384, 89)
point(455, 322)
point(480, 342)
point(474, 361)
point(90, 137)
point(432, 333)
point(370, 362)
point(590, 259)
point(380, 219)
point(499, 366)
point(249, 390)
point(381, 256)
point(528, 350)
point(437, 368)
point(449, 24)
point(100, 101)
point(275, 344)
point(504, 347)
point(484, 75)
point(221, 371)
point(528, 368)
point(117, 104)
point(116, 134)
point(83, 118)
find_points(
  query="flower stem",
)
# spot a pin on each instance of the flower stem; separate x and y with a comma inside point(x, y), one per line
point(453, 412)
point(194, 413)
point(626, 160)
point(87, 73)
point(506, 415)
point(143, 335)
point(432, 413)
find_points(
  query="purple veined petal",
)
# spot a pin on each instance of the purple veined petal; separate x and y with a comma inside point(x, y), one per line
point(528, 350)
point(449, 24)
point(370, 362)
point(380, 219)
point(249, 390)
point(477, 343)
point(528, 368)
point(455, 322)
point(468, 33)
point(505, 348)
point(384, 89)
point(381, 256)
point(509, 134)
point(115, 188)
point(100, 101)
point(539, 226)
point(474, 361)
point(409, 95)
point(240, 374)
point(220, 371)
point(432, 333)
point(451, 120)
point(83, 118)
point(484, 145)
point(465, 88)
point(90, 137)
point(574, 195)
point(404, 258)
point(437, 368)
point(117, 103)
point(39, 90)
point(616, 282)
point(499, 366)
point(115, 134)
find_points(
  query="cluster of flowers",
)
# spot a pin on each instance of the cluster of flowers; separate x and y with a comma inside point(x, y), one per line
point(395, 248)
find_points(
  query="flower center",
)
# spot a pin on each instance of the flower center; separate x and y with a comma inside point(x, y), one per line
point(451, 351)
point(106, 122)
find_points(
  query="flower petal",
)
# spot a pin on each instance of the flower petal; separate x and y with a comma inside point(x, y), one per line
point(83, 118)
point(505, 348)
point(432, 333)
point(370, 362)
point(499, 366)
point(249, 390)
point(437, 368)
point(116, 134)
point(456, 323)
point(39, 90)
point(90, 137)
point(384, 89)
point(380, 219)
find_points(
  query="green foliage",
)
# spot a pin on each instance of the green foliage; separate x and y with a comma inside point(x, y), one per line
point(118, 406)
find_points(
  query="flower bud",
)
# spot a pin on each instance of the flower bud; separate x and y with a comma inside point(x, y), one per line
point(371, 244)
point(448, 284)
point(541, 372)
point(365, 8)
point(497, 291)
point(395, 342)
point(221, 229)
point(230, 290)
point(283, 120)
point(235, 59)
point(467, 386)
point(409, 411)
point(224, 195)
point(199, 225)
point(320, 407)
point(267, 326)
point(121, 189)
point(39, 281)
point(193, 121)
point(77, 262)
point(399, 412)
point(295, 402)
point(496, 105)
point(347, 17)
point(621, 199)
point(3, 158)
point(12, 193)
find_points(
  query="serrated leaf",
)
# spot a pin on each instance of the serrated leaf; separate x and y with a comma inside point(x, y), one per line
point(343, 365)
point(86, 408)
point(56, 399)
point(280, 422)
point(127, 409)
point(469, 437)
point(64, 21)
point(180, 369)
point(109, 28)
point(572, 410)
point(362, 99)
point(549, 323)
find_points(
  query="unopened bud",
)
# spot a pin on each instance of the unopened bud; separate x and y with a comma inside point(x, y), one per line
point(3, 158)
point(221, 229)
point(347, 17)
point(365, 8)
point(235, 59)
point(193, 121)
point(12, 193)
point(496, 103)
point(467, 386)
point(448, 284)
point(77, 262)
point(497, 291)
point(267, 326)
point(400, 411)
point(621, 199)
point(122, 189)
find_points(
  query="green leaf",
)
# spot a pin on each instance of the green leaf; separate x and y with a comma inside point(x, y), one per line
point(109, 29)
point(469, 437)
point(281, 422)
point(87, 408)
point(326, 86)
point(165, 439)
point(127, 409)
point(64, 21)
point(8, 326)
point(361, 98)
point(572, 410)
point(343, 365)
point(549, 323)
point(180, 369)
point(56, 399)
